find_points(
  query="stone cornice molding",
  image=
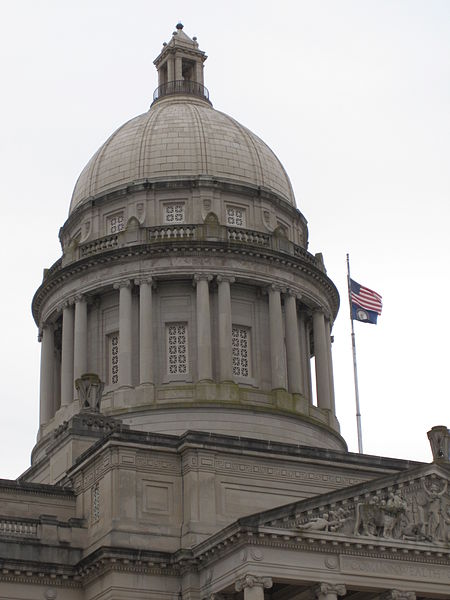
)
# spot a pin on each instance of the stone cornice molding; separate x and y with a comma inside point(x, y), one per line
point(322, 590)
point(250, 581)
point(60, 275)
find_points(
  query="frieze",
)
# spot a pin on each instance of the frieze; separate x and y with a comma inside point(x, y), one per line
point(418, 511)
point(272, 472)
point(413, 571)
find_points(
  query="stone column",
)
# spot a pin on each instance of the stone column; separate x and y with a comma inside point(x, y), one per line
point(305, 354)
point(170, 69)
point(204, 359)
point(199, 72)
point(67, 347)
point(47, 371)
point(178, 68)
point(253, 586)
point(145, 330)
point(329, 591)
point(321, 356)
point(276, 339)
point(294, 362)
point(225, 327)
point(330, 364)
point(125, 326)
point(80, 338)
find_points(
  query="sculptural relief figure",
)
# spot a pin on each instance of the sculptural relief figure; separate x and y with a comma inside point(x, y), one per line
point(331, 521)
point(392, 510)
point(434, 508)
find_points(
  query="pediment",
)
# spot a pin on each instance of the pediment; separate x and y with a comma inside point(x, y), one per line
point(409, 507)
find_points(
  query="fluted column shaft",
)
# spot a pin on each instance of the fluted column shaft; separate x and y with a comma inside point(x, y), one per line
point(276, 339)
point(145, 331)
point(321, 355)
point(80, 338)
point(67, 357)
point(204, 359)
point(47, 373)
point(125, 335)
point(225, 328)
point(294, 362)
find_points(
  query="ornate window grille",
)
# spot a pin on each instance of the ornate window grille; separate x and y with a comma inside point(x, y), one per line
point(174, 213)
point(116, 223)
point(114, 358)
point(177, 348)
point(236, 216)
point(95, 503)
point(240, 342)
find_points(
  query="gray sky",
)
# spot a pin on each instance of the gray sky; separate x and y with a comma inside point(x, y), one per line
point(353, 97)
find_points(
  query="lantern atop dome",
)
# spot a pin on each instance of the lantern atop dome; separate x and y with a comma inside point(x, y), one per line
point(180, 67)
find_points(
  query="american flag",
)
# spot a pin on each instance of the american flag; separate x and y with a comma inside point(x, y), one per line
point(365, 298)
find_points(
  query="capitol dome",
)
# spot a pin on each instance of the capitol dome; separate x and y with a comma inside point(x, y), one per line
point(182, 137)
point(185, 284)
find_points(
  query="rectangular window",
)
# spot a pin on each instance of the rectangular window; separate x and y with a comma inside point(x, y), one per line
point(95, 510)
point(235, 216)
point(115, 223)
point(240, 341)
point(113, 358)
point(174, 213)
point(177, 348)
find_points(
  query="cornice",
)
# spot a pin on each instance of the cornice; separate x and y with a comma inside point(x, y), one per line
point(189, 248)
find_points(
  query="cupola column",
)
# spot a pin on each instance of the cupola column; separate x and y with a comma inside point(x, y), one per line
point(178, 67)
point(125, 337)
point(67, 355)
point(277, 352)
point(46, 338)
point(321, 354)
point(145, 330)
point(225, 327)
point(294, 362)
point(330, 364)
point(204, 362)
point(170, 68)
point(80, 338)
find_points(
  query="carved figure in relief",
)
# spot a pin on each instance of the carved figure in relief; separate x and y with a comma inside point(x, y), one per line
point(433, 508)
point(331, 521)
point(392, 510)
point(369, 518)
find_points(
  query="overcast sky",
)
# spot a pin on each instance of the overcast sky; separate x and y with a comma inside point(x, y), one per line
point(353, 97)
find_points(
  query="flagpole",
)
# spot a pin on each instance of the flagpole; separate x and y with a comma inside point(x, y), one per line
point(355, 368)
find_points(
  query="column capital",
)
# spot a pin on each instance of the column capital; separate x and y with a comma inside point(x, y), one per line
point(202, 277)
point(225, 278)
point(294, 293)
point(145, 281)
point(79, 298)
point(273, 287)
point(397, 595)
point(65, 304)
point(249, 581)
point(322, 590)
point(124, 283)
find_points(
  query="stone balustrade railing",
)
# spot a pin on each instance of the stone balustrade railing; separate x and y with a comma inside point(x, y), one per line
point(99, 245)
point(18, 528)
point(201, 232)
point(171, 232)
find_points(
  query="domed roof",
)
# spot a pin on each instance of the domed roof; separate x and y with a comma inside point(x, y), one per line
point(182, 137)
